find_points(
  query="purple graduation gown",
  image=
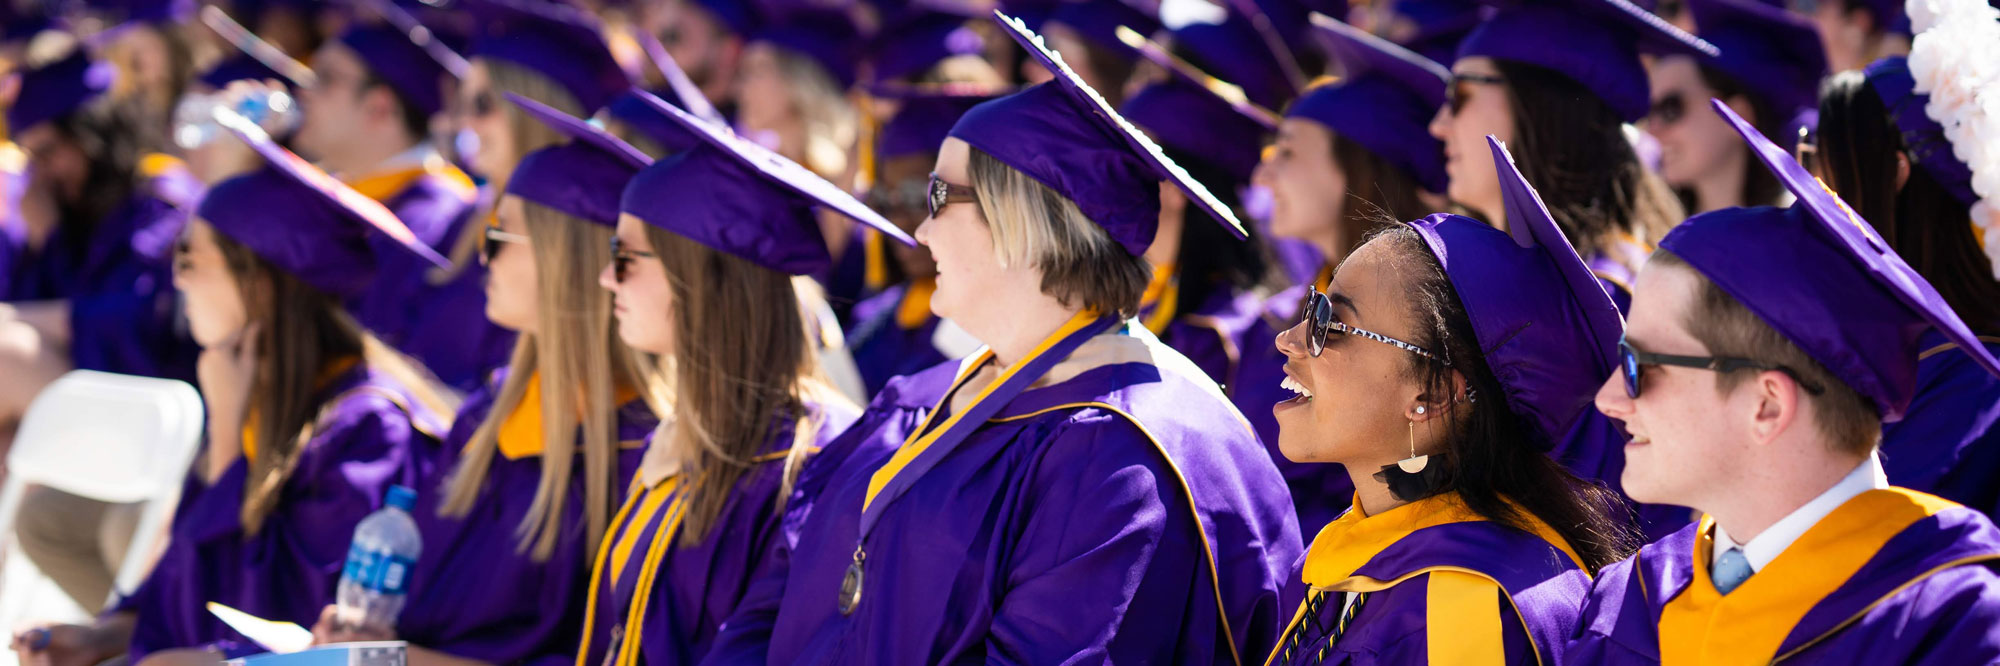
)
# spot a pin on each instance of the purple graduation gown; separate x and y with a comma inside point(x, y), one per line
point(695, 588)
point(1062, 530)
point(1948, 442)
point(454, 605)
point(1320, 491)
point(1890, 577)
point(1209, 333)
point(370, 435)
point(118, 278)
point(1443, 585)
point(442, 326)
point(883, 349)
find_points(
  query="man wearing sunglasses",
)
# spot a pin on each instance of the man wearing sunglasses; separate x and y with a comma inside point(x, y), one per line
point(1764, 351)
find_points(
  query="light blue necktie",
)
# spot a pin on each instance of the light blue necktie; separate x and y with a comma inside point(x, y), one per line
point(1731, 570)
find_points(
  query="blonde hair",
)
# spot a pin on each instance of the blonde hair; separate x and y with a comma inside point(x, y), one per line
point(744, 358)
point(576, 350)
point(1035, 226)
point(529, 134)
point(831, 122)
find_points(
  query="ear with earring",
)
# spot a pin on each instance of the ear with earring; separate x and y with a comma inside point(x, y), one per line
point(1415, 463)
point(1413, 478)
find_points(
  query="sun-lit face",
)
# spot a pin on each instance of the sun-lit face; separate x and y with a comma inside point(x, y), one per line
point(1680, 443)
point(1353, 397)
point(1476, 110)
point(481, 108)
point(763, 95)
point(1307, 186)
point(334, 108)
point(510, 271)
point(642, 299)
point(1694, 140)
point(210, 295)
point(960, 241)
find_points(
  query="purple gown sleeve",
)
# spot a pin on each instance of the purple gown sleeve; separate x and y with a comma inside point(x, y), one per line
point(1107, 557)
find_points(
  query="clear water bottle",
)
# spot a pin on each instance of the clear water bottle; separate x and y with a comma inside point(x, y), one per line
point(271, 108)
point(376, 579)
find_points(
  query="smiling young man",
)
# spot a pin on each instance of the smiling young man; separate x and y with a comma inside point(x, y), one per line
point(1764, 350)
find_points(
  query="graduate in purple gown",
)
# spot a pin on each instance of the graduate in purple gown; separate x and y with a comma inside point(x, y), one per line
point(709, 247)
point(1871, 123)
point(1741, 405)
point(494, 514)
point(1419, 362)
point(1557, 80)
point(894, 333)
point(1334, 172)
point(310, 419)
point(1075, 491)
point(89, 281)
point(368, 121)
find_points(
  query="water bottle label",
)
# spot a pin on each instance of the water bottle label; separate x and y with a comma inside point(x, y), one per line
point(378, 571)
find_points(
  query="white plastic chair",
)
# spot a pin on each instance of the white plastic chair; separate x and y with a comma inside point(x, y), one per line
point(112, 438)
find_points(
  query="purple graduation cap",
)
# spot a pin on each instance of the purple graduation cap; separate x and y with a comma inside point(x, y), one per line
point(1594, 42)
point(1823, 278)
point(584, 177)
point(1545, 325)
point(826, 35)
point(555, 39)
point(1235, 50)
point(1432, 28)
point(924, 119)
point(58, 88)
point(1771, 52)
point(1099, 20)
point(1385, 103)
point(635, 111)
point(917, 41)
point(303, 220)
point(1063, 135)
point(1923, 138)
point(735, 196)
point(402, 60)
point(1197, 114)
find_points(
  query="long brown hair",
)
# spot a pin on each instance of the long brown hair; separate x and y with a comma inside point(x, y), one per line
point(582, 362)
point(1376, 190)
point(1572, 146)
point(304, 331)
point(743, 358)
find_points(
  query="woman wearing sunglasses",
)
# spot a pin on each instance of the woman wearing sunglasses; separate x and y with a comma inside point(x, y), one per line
point(1076, 491)
point(1441, 389)
point(1894, 165)
point(1349, 154)
point(708, 248)
point(310, 419)
point(1556, 80)
point(1768, 71)
point(539, 457)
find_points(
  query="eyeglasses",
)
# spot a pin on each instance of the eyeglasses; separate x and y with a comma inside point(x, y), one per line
point(943, 193)
point(490, 246)
point(621, 259)
point(1460, 89)
point(1632, 361)
point(1320, 323)
point(1668, 110)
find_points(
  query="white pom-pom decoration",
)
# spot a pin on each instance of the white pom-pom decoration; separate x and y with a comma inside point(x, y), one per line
point(1955, 59)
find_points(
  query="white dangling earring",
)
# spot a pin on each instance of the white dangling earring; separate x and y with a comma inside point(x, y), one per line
point(1415, 463)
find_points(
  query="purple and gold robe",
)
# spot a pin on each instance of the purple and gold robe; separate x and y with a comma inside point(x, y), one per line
point(1890, 577)
point(117, 276)
point(535, 616)
point(1440, 584)
point(370, 435)
point(1948, 443)
point(678, 594)
point(1125, 514)
point(443, 324)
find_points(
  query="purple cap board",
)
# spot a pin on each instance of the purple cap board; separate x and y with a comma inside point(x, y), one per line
point(1823, 278)
point(1594, 42)
point(1193, 113)
point(57, 88)
point(1065, 136)
point(301, 219)
point(914, 44)
point(737, 197)
point(553, 38)
point(1529, 279)
point(582, 178)
point(1385, 103)
point(392, 55)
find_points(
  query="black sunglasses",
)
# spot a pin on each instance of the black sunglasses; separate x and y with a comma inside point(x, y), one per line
point(943, 193)
point(621, 259)
point(489, 246)
point(1632, 361)
point(1460, 89)
point(1320, 324)
point(1669, 110)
